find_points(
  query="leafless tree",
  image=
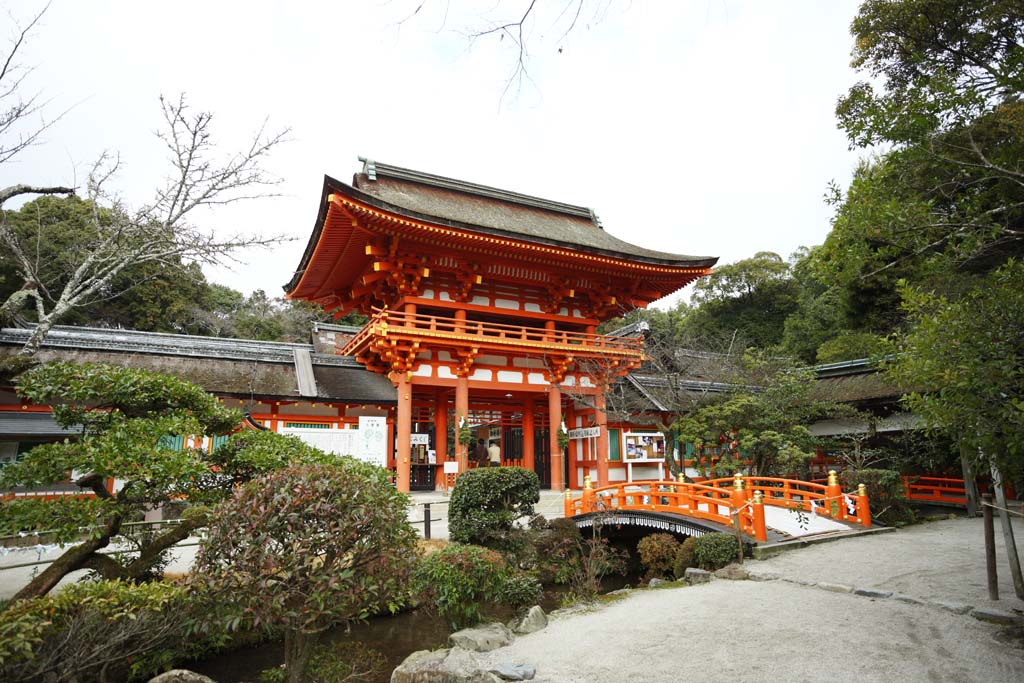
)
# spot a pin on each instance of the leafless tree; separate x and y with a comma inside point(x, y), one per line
point(516, 27)
point(119, 236)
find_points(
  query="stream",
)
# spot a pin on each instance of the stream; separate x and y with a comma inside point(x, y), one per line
point(395, 637)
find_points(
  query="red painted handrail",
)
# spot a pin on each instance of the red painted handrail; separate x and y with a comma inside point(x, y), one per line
point(719, 500)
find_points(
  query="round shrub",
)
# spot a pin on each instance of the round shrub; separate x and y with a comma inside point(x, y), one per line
point(308, 547)
point(684, 557)
point(487, 501)
point(455, 580)
point(98, 629)
point(714, 551)
point(658, 553)
point(559, 551)
point(520, 590)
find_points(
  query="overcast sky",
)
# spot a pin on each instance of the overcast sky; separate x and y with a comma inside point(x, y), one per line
point(701, 127)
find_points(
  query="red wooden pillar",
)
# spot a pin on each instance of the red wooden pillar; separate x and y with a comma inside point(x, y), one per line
point(834, 503)
point(441, 432)
point(528, 454)
point(403, 419)
point(555, 420)
point(573, 480)
point(863, 509)
point(461, 413)
point(601, 420)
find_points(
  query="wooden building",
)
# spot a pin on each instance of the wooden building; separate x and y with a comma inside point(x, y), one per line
point(483, 308)
point(287, 388)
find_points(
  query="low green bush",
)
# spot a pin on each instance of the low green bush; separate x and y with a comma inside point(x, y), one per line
point(886, 494)
point(102, 630)
point(657, 553)
point(684, 557)
point(486, 502)
point(455, 580)
point(714, 551)
point(519, 590)
point(558, 551)
point(336, 663)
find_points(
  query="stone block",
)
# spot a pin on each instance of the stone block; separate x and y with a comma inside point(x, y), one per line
point(834, 587)
point(954, 607)
point(482, 638)
point(454, 665)
point(909, 599)
point(534, 620)
point(514, 672)
point(694, 576)
point(655, 582)
point(733, 572)
point(996, 616)
point(181, 676)
point(872, 593)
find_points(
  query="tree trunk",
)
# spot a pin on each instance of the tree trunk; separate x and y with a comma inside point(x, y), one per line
point(35, 340)
point(74, 558)
point(298, 650)
point(1010, 546)
point(970, 486)
point(15, 302)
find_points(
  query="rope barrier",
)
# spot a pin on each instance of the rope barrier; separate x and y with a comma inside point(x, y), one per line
point(996, 507)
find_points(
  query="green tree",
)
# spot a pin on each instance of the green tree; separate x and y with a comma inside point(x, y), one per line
point(309, 547)
point(750, 298)
point(155, 296)
point(764, 419)
point(962, 362)
point(951, 75)
point(940, 64)
point(124, 417)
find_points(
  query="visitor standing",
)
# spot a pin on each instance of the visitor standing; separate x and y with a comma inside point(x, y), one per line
point(494, 453)
point(480, 453)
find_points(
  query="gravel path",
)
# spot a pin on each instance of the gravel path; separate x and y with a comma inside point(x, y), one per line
point(785, 628)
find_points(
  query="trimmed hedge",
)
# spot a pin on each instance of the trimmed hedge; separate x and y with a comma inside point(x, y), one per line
point(487, 501)
point(714, 551)
point(658, 553)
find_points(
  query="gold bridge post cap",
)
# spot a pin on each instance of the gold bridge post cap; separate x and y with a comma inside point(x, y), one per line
point(758, 498)
point(568, 493)
point(737, 481)
point(587, 483)
point(832, 478)
point(862, 490)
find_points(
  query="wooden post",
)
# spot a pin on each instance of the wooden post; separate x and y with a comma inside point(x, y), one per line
point(601, 421)
point(1011, 546)
point(990, 547)
point(863, 508)
point(461, 413)
point(589, 504)
point(555, 423)
point(760, 527)
point(403, 447)
point(834, 497)
point(569, 508)
point(441, 427)
point(528, 454)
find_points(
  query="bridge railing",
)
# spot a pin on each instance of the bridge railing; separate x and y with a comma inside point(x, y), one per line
point(936, 489)
point(726, 501)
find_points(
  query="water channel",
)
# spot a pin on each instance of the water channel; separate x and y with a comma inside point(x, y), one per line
point(395, 637)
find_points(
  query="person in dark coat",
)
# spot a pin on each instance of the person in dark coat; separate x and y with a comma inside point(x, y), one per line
point(480, 453)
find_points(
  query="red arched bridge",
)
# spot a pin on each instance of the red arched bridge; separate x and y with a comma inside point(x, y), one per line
point(747, 503)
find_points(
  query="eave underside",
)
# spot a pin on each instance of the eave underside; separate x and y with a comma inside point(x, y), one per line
point(350, 234)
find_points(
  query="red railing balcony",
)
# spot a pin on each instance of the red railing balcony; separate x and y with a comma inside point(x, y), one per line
point(426, 331)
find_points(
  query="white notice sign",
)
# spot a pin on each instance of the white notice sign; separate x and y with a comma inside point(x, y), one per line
point(585, 433)
point(373, 439)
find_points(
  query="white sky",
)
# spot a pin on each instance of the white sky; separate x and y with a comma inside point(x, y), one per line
point(701, 127)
